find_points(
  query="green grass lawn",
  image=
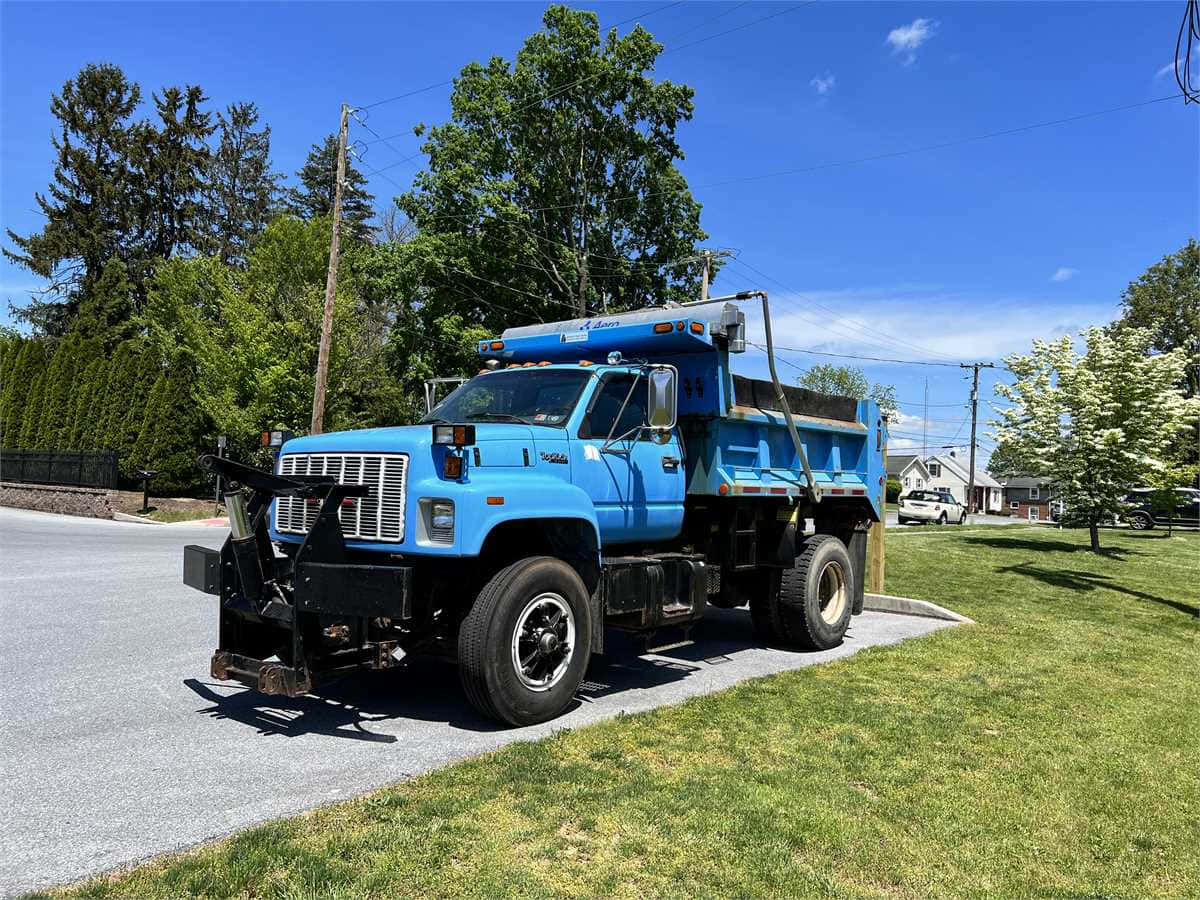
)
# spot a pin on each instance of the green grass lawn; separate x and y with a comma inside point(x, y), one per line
point(1050, 749)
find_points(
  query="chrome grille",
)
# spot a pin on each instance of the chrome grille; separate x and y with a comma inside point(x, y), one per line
point(378, 517)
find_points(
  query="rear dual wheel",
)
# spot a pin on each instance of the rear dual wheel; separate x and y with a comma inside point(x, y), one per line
point(526, 642)
point(808, 605)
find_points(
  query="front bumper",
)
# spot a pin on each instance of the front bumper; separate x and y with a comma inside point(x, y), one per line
point(284, 621)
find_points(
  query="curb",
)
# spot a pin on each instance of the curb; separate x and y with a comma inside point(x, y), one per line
point(906, 606)
point(126, 517)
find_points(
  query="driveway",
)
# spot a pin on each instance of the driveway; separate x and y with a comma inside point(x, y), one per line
point(117, 745)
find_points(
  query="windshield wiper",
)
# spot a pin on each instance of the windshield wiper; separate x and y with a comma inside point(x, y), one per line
point(434, 421)
point(508, 417)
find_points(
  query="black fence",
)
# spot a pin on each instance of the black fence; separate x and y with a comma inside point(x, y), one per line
point(77, 468)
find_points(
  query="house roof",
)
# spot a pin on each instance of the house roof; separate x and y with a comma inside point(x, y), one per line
point(1024, 481)
point(899, 462)
point(982, 478)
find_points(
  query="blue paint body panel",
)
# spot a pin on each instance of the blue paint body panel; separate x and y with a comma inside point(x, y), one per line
point(635, 491)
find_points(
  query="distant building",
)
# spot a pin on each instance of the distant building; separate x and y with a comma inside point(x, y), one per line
point(946, 472)
point(1030, 498)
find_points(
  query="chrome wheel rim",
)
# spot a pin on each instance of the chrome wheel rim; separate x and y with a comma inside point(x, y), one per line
point(543, 641)
point(831, 593)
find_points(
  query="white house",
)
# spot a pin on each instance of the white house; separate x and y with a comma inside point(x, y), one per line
point(946, 472)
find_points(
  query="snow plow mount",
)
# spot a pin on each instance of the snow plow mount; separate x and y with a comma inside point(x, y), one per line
point(284, 620)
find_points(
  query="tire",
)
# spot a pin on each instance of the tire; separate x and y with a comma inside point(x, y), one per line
point(813, 600)
point(1139, 521)
point(901, 520)
point(942, 519)
point(539, 605)
point(962, 520)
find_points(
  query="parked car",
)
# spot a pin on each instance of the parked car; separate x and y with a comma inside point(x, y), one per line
point(1143, 509)
point(930, 506)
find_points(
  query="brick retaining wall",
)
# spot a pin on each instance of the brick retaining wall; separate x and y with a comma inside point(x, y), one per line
point(96, 503)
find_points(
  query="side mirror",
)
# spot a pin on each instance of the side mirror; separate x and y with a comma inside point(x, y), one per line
point(662, 401)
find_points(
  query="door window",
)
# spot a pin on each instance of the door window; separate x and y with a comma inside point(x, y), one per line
point(1033, 514)
point(606, 406)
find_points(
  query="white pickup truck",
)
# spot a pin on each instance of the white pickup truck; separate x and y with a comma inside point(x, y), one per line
point(930, 506)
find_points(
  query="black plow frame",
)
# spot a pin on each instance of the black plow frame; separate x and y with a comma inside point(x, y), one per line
point(284, 620)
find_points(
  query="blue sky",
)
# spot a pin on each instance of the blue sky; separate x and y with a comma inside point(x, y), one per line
point(965, 252)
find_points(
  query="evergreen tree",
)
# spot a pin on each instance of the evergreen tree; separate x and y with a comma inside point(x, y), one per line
point(113, 403)
point(15, 351)
point(87, 391)
point(61, 376)
point(173, 430)
point(140, 454)
point(173, 160)
point(89, 205)
point(242, 190)
point(29, 365)
point(129, 416)
point(107, 310)
point(313, 199)
point(31, 415)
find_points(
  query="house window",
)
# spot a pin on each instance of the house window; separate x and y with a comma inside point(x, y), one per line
point(1016, 504)
point(906, 480)
point(920, 483)
point(935, 470)
point(1033, 494)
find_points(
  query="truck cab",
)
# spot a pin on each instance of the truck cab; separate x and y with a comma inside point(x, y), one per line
point(595, 473)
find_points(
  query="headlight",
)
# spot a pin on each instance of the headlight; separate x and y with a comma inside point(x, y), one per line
point(441, 521)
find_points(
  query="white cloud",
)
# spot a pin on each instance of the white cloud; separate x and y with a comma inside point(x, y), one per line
point(1170, 67)
point(932, 324)
point(1064, 273)
point(907, 38)
point(823, 85)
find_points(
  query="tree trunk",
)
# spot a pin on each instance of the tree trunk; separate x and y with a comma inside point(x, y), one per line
point(1094, 533)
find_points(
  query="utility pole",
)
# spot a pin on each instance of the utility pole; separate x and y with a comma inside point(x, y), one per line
point(925, 426)
point(709, 256)
point(318, 414)
point(975, 367)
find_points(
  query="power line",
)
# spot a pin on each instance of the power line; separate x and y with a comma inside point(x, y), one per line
point(885, 359)
point(843, 322)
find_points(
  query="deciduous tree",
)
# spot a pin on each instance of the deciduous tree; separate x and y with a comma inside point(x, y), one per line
point(849, 381)
point(1094, 423)
point(553, 190)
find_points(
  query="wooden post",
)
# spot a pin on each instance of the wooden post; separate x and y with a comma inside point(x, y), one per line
point(318, 413)
point(875, 549)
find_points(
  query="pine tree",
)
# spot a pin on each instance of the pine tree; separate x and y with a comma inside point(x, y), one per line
point(313, 199)
point(172, 162)
point(141, 453)
point(89, 206)
point(242, 191)
point(14, 384)
point(107, 311)
point(28, 368)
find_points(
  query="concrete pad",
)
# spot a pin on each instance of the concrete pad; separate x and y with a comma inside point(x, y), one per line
point(906, 606)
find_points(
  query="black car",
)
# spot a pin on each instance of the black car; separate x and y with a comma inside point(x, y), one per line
point(1146, 507)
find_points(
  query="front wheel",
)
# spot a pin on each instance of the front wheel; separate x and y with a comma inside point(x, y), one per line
point(525, 644)
point(1139, 521)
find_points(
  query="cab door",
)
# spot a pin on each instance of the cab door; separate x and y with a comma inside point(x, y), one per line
point(636, 484)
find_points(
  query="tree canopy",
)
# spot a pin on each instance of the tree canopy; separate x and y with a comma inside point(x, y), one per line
point(1094, 423)
point(849, 381)
point(553, 188)
point(313, 197)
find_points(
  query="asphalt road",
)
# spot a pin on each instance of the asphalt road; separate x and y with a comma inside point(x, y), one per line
point(116, 745)
point(972, 519)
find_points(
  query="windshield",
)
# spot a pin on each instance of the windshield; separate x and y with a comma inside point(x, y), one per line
point(531, 396)
point(924, 495)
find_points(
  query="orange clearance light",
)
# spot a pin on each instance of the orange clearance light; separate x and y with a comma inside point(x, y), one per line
point(452, 466)
point(679, 326)
point(527, 365)
point(483, 371)
point(266, 439)
point(585, 362)
point(723, 489)
point(544, 362)
point(496, 345)
point(662, 328)
point(697, 328)
point(464, 434)
point(513, 366)
point(495, 501)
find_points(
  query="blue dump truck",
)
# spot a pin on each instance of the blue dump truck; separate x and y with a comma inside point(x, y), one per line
point(603, 473)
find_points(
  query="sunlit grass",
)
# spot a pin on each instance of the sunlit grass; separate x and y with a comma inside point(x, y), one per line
point(1050, 749)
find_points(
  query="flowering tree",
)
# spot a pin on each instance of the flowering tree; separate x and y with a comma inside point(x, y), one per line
point(1094, 423)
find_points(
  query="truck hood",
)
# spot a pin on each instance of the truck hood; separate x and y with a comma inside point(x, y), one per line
point(504, 440)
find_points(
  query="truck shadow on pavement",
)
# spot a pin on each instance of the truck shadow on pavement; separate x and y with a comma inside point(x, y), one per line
point(355, 706)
